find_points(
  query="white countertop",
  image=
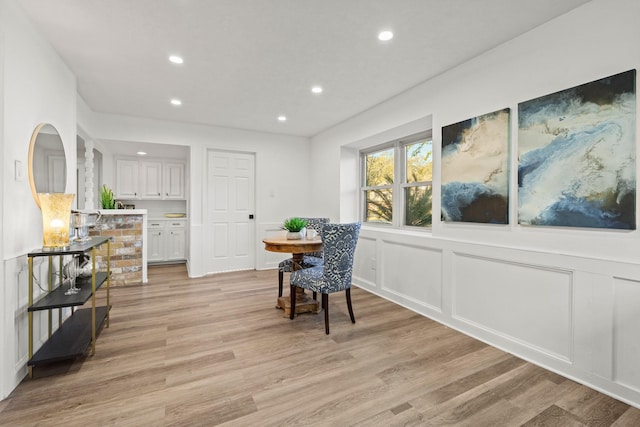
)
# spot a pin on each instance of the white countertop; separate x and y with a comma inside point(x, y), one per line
point(122, 211)
point(165, 218)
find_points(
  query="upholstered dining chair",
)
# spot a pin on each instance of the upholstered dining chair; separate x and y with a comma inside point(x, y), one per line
point(334, 275)
point(311, 259)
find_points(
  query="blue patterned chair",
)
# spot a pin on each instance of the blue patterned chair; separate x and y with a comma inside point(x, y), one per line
point(339, 245)
point(311, 259)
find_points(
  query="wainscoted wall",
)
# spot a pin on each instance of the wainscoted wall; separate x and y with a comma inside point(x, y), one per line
point(36, 87)
point(266, 259)
point(17, 291)
point(574, 315)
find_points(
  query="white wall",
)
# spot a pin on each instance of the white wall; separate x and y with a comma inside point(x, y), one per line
point(282, 178)
point(564, 298)
point(36, 87)
point(5, 340)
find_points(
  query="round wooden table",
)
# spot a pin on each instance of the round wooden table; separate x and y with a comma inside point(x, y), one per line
point(297, 249)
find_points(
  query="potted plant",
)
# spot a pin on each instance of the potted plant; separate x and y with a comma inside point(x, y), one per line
point(107, 201)
point(295, 228)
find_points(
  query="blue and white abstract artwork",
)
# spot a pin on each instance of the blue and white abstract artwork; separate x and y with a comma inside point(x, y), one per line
point(577, 156)
point(475, 169)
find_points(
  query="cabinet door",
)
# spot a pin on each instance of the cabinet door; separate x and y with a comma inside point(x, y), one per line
point(127, 179)
point(156, 244)
point(174, 181)
point(176, 243)
point(151, 180)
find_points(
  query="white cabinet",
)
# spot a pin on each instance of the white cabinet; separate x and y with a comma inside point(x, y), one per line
point(150, 179)
point(127, 172)
point(167, 240)
point(176, 240)
point(173, 173)
point(155, 236)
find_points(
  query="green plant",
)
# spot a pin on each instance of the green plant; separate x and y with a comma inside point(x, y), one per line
point(107, 201)
point(294, 224)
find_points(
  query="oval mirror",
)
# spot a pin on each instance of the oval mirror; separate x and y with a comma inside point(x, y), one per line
point(47, 162)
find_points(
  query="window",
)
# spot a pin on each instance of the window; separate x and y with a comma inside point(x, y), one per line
point(396, 186)
point(378, 190)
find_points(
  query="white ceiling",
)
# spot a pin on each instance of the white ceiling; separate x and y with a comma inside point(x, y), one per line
point(248, 61)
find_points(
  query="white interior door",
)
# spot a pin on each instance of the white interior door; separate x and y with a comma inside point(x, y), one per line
point(230, 209)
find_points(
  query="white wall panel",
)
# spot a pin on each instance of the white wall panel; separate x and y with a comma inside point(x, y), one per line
point(528, 303)
point(365, 262)
point(593, 320)
point(626, 342)
point(266, 259)
point(412, 272)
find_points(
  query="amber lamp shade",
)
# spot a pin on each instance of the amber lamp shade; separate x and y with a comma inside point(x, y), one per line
point(56, 214)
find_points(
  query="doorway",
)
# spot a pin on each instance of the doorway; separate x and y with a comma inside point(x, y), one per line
point(230, 208)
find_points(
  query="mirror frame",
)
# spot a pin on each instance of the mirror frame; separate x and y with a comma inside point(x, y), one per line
point(32, 147)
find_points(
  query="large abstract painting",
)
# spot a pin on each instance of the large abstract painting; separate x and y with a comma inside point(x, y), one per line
point(577, 156)
point(475, 169)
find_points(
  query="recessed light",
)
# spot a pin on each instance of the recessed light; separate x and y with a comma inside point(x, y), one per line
point(141, 153)
point(176, 102)
point(316, 89)
point(176, 59)
point(282, 118)
point(385, 35)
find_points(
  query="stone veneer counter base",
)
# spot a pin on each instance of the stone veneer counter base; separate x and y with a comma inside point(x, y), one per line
point(128, 230)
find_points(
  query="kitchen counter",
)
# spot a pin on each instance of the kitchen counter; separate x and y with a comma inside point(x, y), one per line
point(128, 230)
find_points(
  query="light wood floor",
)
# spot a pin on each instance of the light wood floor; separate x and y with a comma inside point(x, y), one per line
point(215, 351)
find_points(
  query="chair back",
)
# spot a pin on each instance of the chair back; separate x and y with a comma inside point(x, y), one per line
point(339, 244)
point(316, 224)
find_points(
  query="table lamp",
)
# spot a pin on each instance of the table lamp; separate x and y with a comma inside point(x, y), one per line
point(56, 213)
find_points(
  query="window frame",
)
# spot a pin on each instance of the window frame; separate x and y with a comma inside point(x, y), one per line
point(400, 182)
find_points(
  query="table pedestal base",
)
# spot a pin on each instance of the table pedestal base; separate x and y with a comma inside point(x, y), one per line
point(304, 304)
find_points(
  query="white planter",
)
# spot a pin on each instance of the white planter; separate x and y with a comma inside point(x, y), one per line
point(296, 235)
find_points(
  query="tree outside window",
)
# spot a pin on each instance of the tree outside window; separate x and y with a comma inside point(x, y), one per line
point(417, 185)
point(379, 172)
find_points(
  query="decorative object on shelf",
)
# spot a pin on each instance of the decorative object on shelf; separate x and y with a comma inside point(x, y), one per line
point(85, 267)
point(71, 272)
point(295, 228)
point(107, 201)
point(56, 216)
point(82, 221)
point(175, 215)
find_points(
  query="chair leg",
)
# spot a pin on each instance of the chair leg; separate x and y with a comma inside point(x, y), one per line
point(325, 306)
point(280, 280)
point(293, 302)
point(315, 296)
point(348, 293)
